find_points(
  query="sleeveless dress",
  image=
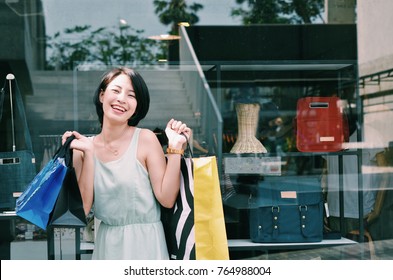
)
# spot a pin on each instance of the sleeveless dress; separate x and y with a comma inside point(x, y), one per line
point(130, 216)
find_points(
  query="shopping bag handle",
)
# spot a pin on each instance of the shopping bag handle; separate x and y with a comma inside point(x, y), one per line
point(66, 152)
point(188, 148)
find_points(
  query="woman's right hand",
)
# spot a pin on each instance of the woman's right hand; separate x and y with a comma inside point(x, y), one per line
point(65, 136)
point(80, 143)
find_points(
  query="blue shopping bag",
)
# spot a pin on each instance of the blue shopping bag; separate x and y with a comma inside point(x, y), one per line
point(37, 202)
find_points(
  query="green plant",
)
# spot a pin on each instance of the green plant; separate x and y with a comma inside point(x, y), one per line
point(172, 12)
point(278, 11)
point(106, 45)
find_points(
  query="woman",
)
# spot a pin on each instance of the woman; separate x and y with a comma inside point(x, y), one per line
point(123, 170)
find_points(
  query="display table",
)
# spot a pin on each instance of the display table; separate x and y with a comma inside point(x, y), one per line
point(248, 245)
point(51, 241)
point(7, 235)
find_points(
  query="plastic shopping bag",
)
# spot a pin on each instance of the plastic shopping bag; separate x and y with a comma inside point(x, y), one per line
point(37, 201)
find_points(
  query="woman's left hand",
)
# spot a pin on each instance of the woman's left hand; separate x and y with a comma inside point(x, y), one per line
point(175, 131)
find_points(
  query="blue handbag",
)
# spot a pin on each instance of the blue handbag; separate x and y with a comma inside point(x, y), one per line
point(287, 210)
point(38, 200)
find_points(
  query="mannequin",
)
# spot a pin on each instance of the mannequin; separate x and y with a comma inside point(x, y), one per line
point(247, 118)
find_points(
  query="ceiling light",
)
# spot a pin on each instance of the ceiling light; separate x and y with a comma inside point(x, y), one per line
point(186, 24)
point(165, 37)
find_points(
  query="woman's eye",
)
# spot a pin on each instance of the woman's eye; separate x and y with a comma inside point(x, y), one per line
point(115, 91)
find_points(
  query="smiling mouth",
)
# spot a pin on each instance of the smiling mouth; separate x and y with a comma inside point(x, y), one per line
point(118, 108)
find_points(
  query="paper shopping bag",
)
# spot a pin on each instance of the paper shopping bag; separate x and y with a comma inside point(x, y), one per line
point(178, 221)
point(210, 233)
point(37, 201)
point(68, 209)
point(195, 227)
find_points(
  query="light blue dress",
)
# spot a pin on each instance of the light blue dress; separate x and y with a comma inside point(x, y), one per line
point(124, 202)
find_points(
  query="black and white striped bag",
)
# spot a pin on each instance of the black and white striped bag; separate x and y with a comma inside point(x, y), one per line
point(195, 226)
point(179, 220)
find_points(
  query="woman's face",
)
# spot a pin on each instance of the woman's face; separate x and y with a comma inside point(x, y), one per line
point(118, 100)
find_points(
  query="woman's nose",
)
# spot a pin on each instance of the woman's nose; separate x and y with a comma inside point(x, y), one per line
point(121, 96)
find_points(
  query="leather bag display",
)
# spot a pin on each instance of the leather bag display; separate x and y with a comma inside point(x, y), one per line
point(287, 211)
point(321, 124)
point(17, 163)
point(195, 226)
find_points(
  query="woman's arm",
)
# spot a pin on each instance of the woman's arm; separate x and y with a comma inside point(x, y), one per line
point(164, 175)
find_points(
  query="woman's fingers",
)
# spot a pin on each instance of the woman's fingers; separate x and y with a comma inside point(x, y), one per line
point(178, 126)
point(77, 134)
point(175, 124)
point(185, 130)
point(65, 136)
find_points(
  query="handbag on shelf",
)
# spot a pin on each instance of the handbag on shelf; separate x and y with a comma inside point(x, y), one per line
point(38, 200)
point(17, 166)
point(195, 226)
point(321, 124)
point(287, 211)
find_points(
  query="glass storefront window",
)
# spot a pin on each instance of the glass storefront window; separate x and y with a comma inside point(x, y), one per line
point(58, 50)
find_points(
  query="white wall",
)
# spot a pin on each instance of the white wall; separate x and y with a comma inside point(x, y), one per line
point(375, 54)
point(375, 40)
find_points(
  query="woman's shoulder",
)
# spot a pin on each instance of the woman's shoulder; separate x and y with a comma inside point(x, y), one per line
point(148, 141)
point(146, 134)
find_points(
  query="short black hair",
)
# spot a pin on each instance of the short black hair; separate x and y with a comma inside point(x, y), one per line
point(140, 88)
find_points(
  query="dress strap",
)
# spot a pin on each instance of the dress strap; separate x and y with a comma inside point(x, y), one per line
point(134, 142)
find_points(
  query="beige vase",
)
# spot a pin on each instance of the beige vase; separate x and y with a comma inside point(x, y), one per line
point(247, 121)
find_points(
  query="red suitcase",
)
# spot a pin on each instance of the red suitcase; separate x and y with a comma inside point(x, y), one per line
point(321, 124)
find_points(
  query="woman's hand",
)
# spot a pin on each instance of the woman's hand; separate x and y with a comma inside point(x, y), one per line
point(80, 143)
point(175, 131)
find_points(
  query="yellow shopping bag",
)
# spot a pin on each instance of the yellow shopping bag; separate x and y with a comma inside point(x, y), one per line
point(210, 234)
point(195, 227)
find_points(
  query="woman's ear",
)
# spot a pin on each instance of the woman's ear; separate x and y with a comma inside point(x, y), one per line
point(101, 96)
